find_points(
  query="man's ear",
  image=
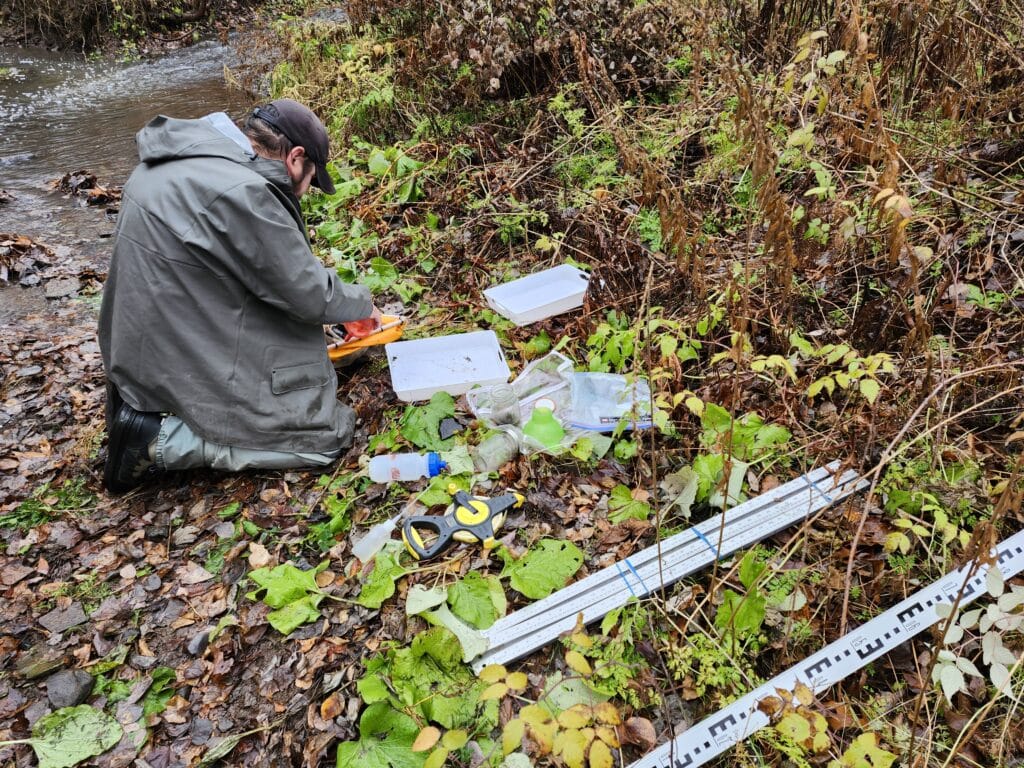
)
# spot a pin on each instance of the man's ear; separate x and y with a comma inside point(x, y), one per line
point(295, 154)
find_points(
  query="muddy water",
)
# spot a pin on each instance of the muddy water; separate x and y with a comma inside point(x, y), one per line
point(60, 113)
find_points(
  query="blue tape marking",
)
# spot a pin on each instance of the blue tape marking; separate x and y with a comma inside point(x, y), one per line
point(638, 576)
point(624, 579)
point(816, 487)
point(704, 538)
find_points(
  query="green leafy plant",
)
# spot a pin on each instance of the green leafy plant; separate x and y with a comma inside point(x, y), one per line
point(46, 503)
point(380, 585)
point(420, 423)
point(292, 593)
point(547, 566)
point(68, 736)
point(739, 617)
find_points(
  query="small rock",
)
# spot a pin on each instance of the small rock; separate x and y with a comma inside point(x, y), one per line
point(60, 619)
point(152, 583)
point(11, 703)
point(199, 642)
point(68, 687)
point(38, 661)
point(36, 710)
point(202, 730)
point(61, 287)
point(141, 662)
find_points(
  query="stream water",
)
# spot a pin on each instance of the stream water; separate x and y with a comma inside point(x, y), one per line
point(60, 113)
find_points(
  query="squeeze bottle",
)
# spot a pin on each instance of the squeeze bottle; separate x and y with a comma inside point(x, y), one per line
point(391, 467)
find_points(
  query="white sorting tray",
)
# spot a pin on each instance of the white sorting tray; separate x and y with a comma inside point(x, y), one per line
point(539, 295)
point(451, 364)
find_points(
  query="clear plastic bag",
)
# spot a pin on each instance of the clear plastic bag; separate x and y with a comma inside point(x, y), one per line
point(547, 382)
point(601, 400)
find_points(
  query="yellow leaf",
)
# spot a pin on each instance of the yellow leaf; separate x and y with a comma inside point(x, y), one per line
point(572, 746)
point(883, 194)
point(436, 758)
point(577, 663)
point(804, 694)
point(821, 742)
point(512, 736)
point(516, 681)
point(455, 739)
point(426, 739)
point(608, 736)
point(574, 717)
point(600, 756)
point(495, 691)
point(607, 713)
point(492, 673)
point(543, 736)
point(532, 714)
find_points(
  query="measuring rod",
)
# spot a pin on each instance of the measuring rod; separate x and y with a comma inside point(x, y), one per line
point(713, 736)
point(678, 556)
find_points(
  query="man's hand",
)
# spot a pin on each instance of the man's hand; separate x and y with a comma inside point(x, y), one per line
point(358, 329)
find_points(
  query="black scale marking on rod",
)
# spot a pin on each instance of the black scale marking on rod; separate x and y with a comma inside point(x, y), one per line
point(711, 737)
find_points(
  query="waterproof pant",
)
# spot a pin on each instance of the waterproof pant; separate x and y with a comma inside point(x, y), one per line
point(178, 447)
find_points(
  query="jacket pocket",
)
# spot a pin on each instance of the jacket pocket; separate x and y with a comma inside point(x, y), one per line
point(292, 377)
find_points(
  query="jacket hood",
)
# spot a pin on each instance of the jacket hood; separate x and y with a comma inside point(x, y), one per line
point(168, 138)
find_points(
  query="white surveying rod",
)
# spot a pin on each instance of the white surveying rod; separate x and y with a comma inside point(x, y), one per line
point(680, 555)
point(731, 725)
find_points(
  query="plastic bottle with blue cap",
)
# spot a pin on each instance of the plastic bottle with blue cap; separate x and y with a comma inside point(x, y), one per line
point(396, 467)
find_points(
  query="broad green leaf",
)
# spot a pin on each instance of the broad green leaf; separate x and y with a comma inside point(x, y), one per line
point(385, 740)
point(292, 616)
point(870, 389)
point(379, 275)
point(864, 752)
point(470, 640)
point(419, 424)
point(456, 739)
point(161, 690)
point(70, 735)
point(564, 693)
point(708, 469)
point(744, 615)
point(283, 584)
point(378, 163)
point(545, 568)
point(751, 569)
point(386, 572)
point(470, 599)
point(421, 599)
point(622, 506)
point(436, 758)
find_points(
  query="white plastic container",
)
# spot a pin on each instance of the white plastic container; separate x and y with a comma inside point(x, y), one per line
point(540, 295)
point(451, 364)
point(394, 467)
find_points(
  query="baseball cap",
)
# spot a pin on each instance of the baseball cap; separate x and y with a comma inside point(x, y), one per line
point(303, 129)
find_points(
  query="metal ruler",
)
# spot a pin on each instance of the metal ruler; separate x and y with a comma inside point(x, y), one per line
point(529, 628)
point(713, 736)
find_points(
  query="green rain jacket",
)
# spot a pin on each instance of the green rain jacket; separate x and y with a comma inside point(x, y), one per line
point(214, 304)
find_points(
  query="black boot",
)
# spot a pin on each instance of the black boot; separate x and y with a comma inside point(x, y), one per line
point(128, 454)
